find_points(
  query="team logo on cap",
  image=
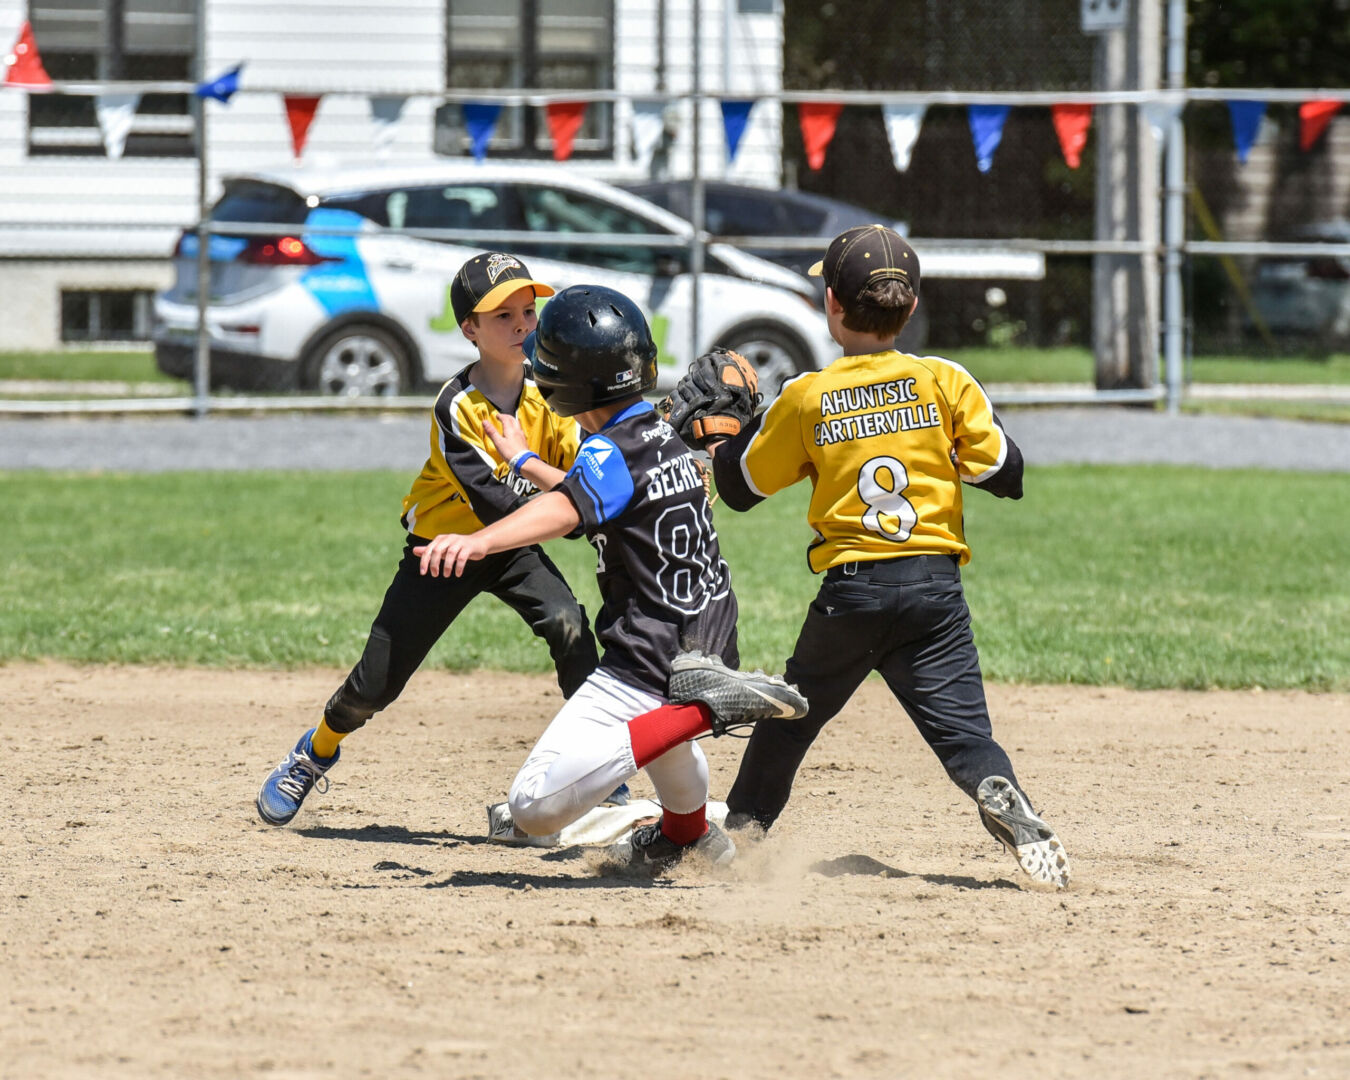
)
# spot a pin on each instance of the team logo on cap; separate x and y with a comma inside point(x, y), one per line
point(498, 264)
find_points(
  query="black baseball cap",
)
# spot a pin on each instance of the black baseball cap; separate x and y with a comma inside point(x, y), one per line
point(486, 280)
point(864, 254)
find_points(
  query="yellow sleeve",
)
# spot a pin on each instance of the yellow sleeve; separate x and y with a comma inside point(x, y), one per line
point(776, 456)
point(977, 438)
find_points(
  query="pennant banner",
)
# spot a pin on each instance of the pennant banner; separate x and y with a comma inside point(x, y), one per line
point(115, 114)
point(222, 87)
point(735, 115)
point(23, 65)
point(481, 121)
point(1071, 125)
point(986, 129)
point(385, 113)
point(300, 110)
point(1246, 117)
point(818, 121)
point(1313, 118)
point(1160, 115)
point(902, 129)
point(649, 123)
point(564, 121)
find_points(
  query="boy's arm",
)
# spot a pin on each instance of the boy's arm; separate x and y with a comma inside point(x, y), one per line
point(546, 517)
point(1007, 482)
point(984, 453)
point(465, 449)
point(511, 444)
point(767, 454)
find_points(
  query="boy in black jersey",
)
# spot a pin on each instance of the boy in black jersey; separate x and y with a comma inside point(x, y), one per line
point(636, 494)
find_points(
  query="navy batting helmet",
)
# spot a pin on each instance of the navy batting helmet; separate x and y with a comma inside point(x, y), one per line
point(592, 347)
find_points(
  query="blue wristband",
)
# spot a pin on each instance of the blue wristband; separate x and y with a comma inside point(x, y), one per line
point(520, 459)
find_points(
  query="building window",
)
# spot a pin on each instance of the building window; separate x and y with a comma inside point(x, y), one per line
point(535, 45)
point(125, 40)
point(106, 314)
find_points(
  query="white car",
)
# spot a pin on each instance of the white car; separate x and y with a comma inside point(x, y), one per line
point(369, 313)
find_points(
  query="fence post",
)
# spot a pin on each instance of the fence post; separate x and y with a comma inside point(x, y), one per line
point(201, 366)
point(1175, 217)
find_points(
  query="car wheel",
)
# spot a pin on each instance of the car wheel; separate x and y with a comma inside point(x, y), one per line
point(777, 354)
point(358, 361)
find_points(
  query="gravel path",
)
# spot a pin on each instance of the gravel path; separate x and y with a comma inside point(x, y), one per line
point(1047, 436)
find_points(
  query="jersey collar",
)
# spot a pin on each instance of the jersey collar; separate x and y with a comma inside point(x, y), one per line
point(634, 409)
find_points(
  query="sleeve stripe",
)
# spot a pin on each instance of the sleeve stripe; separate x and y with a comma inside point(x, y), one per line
point(992, 471)
point(452, 412)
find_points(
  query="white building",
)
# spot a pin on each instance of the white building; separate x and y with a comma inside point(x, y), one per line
point(85, 240)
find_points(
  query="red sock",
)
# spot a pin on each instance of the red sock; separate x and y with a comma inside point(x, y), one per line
point(684, 829)
point(655, 732)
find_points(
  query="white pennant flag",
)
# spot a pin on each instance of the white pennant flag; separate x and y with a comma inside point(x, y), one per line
point(385, 113)
point(902, 128)
point(649, 122)
point(1159, 116)
point(115, 114)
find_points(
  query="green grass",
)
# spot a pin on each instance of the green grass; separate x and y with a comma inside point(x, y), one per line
point(97, 366)
point(1072, 364)
point(1143, 577)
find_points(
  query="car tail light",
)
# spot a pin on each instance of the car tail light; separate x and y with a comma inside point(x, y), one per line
point(1328, 269)
point(280, 251)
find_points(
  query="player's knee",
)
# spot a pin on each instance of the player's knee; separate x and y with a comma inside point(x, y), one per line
point(564, 628)
point(368, 688)
point(536, 817)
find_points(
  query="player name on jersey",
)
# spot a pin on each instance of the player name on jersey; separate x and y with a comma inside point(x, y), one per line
point(673, 477)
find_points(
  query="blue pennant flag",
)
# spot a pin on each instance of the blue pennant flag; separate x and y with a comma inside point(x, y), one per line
point(986, 128)
point(735, 115)
point(223, 87)
point(481, 121)
point(1246, 117)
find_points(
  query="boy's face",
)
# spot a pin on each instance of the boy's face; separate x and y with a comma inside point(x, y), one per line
point(500, 333)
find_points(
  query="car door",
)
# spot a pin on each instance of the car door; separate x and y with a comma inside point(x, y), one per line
point(656, 278)
point(414, 273)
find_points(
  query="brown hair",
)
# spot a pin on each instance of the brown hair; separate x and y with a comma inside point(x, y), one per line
point(882, 308)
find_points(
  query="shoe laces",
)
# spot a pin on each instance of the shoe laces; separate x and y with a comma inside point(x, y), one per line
point(300, 776)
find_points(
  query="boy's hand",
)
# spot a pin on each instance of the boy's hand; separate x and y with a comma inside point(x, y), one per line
point(509, 439)
point(449, 553)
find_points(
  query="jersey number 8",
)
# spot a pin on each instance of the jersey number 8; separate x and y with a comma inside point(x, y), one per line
point(880, 483)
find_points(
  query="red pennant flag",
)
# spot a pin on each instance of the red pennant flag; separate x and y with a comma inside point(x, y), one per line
point(1314, 118)
point(1071, 125)
point(300, 110)
point(564, 121)
point(23, 65)
point(818, 121)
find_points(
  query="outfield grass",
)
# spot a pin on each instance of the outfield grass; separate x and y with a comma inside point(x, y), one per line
point(1072, 364)
point(1143, 577)
point(96, 366)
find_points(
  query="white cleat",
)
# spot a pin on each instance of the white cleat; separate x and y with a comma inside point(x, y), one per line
point(1011, 821)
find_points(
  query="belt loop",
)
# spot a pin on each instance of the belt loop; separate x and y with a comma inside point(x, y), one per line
point(850, 568)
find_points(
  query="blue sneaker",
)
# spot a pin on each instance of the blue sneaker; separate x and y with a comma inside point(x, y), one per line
point(618, 797)
point(285, 789)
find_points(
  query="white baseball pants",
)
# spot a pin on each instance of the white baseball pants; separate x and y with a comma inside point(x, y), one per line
point(585, 753)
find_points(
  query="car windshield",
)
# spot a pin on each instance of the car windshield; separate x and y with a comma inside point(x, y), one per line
point(252, 200)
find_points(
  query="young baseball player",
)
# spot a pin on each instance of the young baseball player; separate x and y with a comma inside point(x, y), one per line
point(464, 485)
point(886, 440)
point(636, 494)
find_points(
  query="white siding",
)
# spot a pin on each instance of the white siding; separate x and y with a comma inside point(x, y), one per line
point(72, 207)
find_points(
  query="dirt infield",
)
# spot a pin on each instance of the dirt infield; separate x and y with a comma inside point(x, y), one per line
point(150, 926)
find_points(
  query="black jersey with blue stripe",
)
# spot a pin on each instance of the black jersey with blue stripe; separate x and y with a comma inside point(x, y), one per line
point(663, 582)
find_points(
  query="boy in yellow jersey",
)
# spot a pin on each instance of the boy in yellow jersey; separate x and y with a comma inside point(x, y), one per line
point(464, 485)
point(886, 440)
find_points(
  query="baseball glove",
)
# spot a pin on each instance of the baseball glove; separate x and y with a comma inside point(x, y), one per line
point(714, 399)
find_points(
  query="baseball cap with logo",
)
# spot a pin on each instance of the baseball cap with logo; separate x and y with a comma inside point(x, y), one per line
point(486, 280)
point(864, 254)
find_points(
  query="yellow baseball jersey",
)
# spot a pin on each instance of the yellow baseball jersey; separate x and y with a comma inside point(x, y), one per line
point(465, 484)
point(886, 440)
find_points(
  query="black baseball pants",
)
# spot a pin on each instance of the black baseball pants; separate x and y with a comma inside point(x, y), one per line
point(907, 619)
point(418, 609)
